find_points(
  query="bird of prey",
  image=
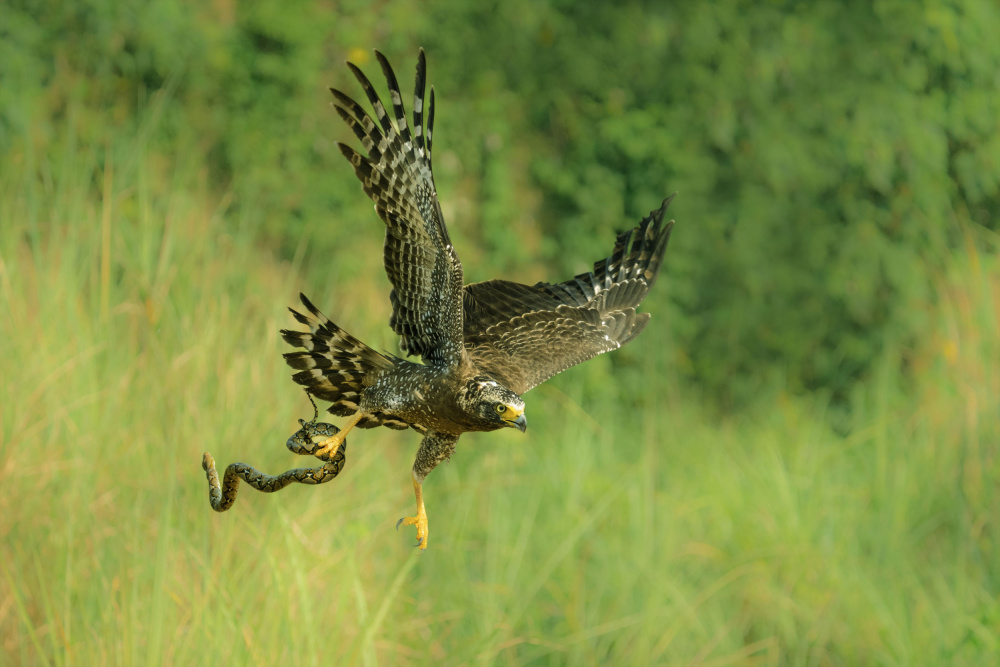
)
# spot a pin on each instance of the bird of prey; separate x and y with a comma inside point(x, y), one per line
point(481, 346)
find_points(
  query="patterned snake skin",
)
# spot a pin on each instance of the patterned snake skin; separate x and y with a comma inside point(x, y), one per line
point(305, 441)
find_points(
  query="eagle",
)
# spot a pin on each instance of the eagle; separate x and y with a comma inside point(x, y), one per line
point(480, 346)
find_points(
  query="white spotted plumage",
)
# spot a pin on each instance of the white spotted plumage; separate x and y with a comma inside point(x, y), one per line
point(482, 345)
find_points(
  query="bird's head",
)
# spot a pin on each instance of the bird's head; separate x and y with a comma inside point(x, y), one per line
point(489, 401)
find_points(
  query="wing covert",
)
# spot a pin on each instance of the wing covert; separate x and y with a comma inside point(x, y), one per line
point(527, 350)
point(637, 255)
point(523, 335)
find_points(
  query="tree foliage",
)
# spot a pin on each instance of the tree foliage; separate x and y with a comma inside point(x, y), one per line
point(822, 151)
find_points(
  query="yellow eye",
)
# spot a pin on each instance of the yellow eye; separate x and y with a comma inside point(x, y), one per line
point(501, 408)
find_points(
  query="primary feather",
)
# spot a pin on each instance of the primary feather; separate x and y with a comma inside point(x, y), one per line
point(482, 345)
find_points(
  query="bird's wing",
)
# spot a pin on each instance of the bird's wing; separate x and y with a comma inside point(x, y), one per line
point(422, 265)
point(523, 335)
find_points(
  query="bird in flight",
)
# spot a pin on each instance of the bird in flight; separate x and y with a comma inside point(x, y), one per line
point(482, 345)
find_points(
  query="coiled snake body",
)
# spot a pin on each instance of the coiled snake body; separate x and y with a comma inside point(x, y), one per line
point(305, 441)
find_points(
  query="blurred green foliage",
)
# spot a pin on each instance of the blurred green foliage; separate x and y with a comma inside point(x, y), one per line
point(821, 150)
point(169, 180)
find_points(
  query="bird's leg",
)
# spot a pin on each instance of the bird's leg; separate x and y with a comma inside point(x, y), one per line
point(434, 448)
point(420, 520)
point(308, 439)
point(334, 441)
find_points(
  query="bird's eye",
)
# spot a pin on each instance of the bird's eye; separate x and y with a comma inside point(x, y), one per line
point(501, 408)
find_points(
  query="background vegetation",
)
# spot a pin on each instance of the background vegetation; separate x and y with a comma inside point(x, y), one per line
point(795, 464)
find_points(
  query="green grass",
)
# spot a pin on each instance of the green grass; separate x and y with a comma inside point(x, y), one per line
point(138, 328)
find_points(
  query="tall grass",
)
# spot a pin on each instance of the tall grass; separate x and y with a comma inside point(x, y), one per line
point(138, 328)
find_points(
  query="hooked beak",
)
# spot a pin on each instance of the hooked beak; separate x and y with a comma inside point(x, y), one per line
point(520, 423)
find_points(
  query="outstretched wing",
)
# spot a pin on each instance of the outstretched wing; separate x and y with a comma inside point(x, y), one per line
point(523, 335)
point(422, 265)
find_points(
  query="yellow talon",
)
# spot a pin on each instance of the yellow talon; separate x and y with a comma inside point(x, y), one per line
point(336, 440)
point(329, 445)
point(420, 521)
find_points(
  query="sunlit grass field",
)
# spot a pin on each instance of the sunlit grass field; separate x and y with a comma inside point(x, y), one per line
point(138, 328)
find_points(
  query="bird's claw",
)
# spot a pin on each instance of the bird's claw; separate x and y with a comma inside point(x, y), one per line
point(419, 539)
point(420, 521)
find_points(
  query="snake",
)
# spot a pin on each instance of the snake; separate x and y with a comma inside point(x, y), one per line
point(307, 440)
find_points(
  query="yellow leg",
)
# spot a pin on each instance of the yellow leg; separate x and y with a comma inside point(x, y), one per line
point(335, 440)
point(420, 521)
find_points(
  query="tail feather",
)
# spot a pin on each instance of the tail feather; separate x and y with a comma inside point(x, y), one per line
point(335, 366)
